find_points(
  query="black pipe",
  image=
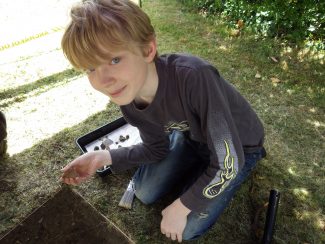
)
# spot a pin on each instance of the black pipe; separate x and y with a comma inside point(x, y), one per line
point(271, 216)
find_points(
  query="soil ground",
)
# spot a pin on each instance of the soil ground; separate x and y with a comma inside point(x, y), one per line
point(65, 218)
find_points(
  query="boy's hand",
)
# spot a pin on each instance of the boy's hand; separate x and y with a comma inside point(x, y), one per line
point(174, 220)
point(83, 167)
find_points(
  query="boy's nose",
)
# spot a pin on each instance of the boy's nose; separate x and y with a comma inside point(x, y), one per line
point(102, 70)
point(105, 75)
point(107, 80)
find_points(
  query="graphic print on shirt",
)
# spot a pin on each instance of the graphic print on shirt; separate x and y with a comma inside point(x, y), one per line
point(180, 126)
point(226, 175)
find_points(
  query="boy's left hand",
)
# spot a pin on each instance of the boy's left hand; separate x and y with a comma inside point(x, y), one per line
point(174, 220)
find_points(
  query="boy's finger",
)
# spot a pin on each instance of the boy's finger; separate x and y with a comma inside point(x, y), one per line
point(76, 180)
point(64, 180)
point(179, 238)
point(67, 181)
point(70, 173)
point(80, 179)
point(72, 181)
point(65, 168)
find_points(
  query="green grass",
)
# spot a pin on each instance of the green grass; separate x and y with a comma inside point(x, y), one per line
point(292, 112)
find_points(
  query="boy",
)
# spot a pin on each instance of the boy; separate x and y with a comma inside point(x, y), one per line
point(199, 135)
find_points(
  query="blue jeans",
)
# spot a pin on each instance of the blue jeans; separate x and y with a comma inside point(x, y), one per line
point(186, 161)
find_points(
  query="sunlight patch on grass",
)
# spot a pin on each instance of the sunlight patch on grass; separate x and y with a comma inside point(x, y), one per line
point(321, 224)
point(304, 54)
point(222, 47)
point(292, 171)
point(32, 61)
point(40, 117)
point(21, 19)
point(316, 123)
point(284, 65)
point(290, 91)
point(311, 218)
point(37, 101)
point(301, 193)
point(302, 215)
point(312, 110)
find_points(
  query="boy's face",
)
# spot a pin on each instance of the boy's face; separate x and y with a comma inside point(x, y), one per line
point(123, 77)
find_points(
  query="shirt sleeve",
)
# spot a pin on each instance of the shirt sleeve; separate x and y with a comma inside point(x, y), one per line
point(208, 96)
point(154, 147)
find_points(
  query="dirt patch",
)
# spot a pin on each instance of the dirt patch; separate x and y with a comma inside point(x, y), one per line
point(66, 218)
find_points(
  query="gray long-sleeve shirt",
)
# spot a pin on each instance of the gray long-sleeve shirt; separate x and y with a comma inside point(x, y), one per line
point(192, 96)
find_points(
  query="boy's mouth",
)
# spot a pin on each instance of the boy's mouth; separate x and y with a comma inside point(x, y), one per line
point(116, 93)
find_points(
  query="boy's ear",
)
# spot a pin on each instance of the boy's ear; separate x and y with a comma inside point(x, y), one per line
point(151, 50)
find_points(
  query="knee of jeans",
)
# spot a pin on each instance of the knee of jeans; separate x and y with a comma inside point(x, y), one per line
point(176, 139)
point(145, 197)
point(187, 236)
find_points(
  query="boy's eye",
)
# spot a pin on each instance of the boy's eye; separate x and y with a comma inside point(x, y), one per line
point(115, 60)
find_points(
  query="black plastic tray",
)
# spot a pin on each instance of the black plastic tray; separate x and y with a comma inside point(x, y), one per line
point(94, 135)
point(84, 140)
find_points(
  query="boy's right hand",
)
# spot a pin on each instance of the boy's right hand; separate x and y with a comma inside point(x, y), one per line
point(85, 166)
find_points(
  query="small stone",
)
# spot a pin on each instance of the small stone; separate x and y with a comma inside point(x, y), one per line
point(107, 143)
point(102, 146)
point(122, 138)
point(258, 76)
point(96, 148)
point(127, 137)
point(119, 146)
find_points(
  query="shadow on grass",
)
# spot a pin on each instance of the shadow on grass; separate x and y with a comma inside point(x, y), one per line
point(29, 178)
point(20, 93)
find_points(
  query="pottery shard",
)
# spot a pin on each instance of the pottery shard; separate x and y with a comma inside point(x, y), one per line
point(122, 138)
point(107, 143)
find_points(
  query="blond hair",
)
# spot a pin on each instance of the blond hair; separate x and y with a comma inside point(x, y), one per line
point(100, 27)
